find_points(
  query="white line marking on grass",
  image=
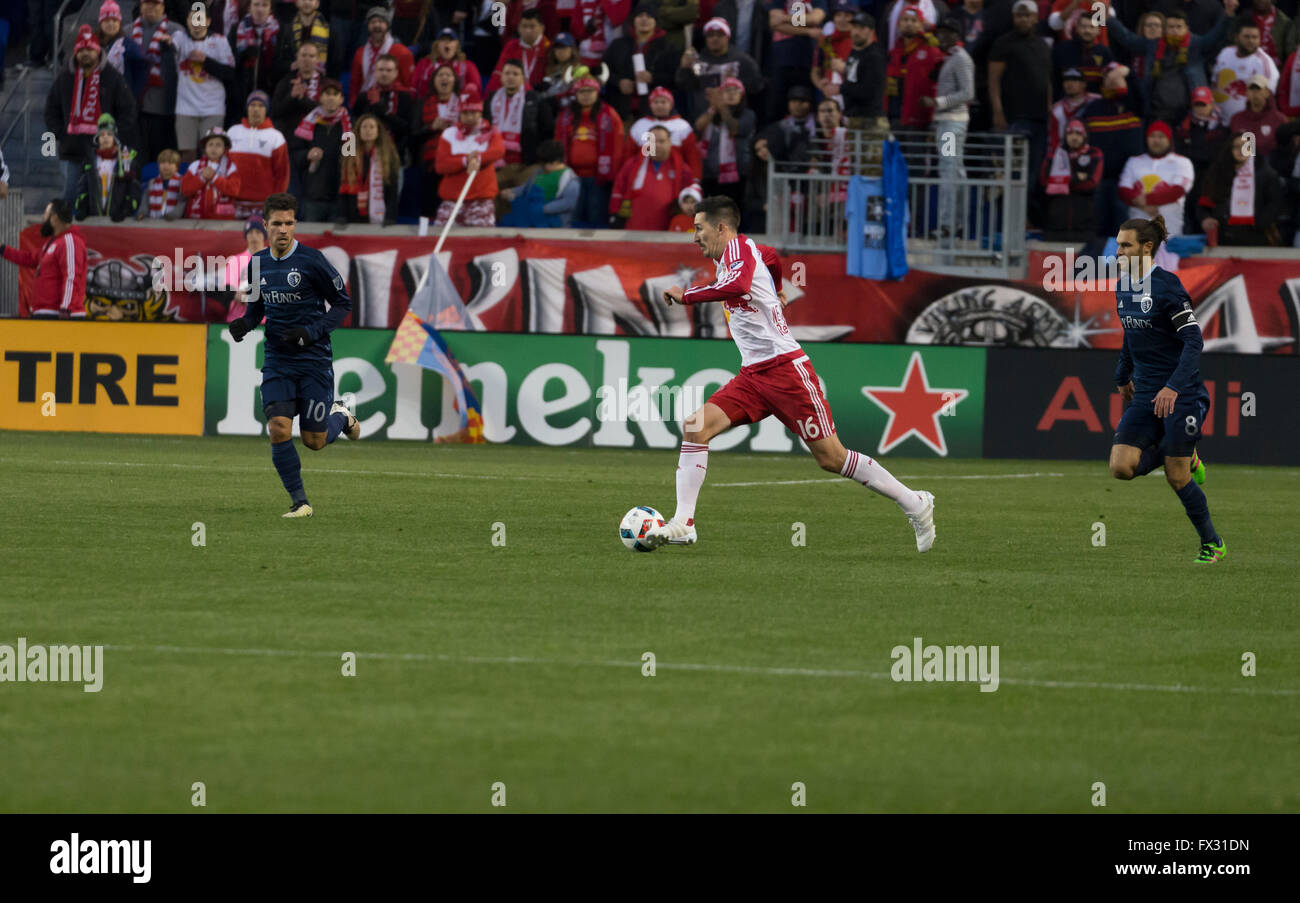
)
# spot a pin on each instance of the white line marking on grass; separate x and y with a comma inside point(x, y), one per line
point(226, 468)
point(928, 476)
point(687, 666)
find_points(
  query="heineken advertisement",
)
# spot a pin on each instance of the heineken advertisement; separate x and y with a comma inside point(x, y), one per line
point(619, 392)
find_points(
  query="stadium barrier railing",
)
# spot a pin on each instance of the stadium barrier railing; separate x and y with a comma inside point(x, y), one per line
point(985, 233)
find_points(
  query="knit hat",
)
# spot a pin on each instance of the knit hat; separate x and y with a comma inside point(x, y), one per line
point(1161, 127)
point(646, 8)
point(587, 81)
point(693, 191)
point(255, 222)
point(717, 23)
point(1072, 73)
point(916, 10)
point(110, 10)
point(1076, 125)
point(258, 97)
point(86, 40)
point(1028, 4)
point(381, 12)
point(471, 102)
point(1203, 95)
point(107, 124)
point(661, 91)
point(215, 132)
point(734, 82)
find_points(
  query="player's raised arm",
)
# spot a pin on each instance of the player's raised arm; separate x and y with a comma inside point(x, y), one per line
point(736, 279)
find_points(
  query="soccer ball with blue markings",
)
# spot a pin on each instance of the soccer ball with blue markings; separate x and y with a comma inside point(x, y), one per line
point(636, 524)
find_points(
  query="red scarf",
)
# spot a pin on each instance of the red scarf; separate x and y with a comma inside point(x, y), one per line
point(85, 103)
point(508, 117)
point(728, 173)
point(164, 197)
point(434, 108)
point(1179, 59)
point(896, 71)
point(375, 96)
point(603, 116)
point(370, 55)
point(306, 128)
point(249, 35)
point(370, 198)
point(1265, 24)
point(154, 51)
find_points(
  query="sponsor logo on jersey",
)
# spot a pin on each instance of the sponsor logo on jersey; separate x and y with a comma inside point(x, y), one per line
point(274, 297)
point(1132, 322)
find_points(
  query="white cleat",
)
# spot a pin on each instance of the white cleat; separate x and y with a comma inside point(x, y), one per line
point(673, 533)
point(301, 509)
point(353, 430)
point(923, 523)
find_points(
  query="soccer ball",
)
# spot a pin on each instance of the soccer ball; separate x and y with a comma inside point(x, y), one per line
point(636, 524)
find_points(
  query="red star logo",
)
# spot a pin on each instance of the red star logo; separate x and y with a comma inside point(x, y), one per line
point(914, 408)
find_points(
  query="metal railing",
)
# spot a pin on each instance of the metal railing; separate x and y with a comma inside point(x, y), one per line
point(24, 113)
point(11, 224)
point(984, 193)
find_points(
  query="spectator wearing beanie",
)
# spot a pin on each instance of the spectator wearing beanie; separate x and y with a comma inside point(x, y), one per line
point(315, 151)
point(647, 187)
point(120, 52)
point(592, 136)
point(644, 36)
point(1243, 198)
point(661, 112)
point(110, 185)
point(687, 201)
point(1158, 181)
point(725, 131)
point(211, 182)
point(379, 43)
point(390, 100)
point(255, 42)
point(1069, 177)
point(80, 95)
point(1261, 116)
point(261, 153)
point(237, 267)
point(471, 147)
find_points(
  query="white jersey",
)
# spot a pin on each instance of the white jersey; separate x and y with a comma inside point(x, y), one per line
point(197, 92)
point(1146, 172)
point(746, 287)
point(1231, 72)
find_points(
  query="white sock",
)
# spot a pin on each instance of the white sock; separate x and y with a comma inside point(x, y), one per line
point(692, 465)
point(870, 474)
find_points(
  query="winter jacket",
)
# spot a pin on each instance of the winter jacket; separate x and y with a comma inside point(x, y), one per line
point(115, 98)
point(123, 194)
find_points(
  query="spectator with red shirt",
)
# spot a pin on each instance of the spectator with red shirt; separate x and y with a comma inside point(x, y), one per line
point(647, 187)
point(662, 113)
point(368, 54)
point(832, 51)
point(597, 23)
point(530, 47)
point(260, 152)
point(60, 265)
point(909, 73)
point(446, 51)
point(440, 110)
point(470, 148)
point(211, 183)
point(1261, 117)
point(592, 135)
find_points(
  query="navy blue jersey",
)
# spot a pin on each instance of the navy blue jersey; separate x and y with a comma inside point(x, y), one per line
point(1162, 342)
point(292, 291)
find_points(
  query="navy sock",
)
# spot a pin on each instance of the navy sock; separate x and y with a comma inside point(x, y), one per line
point(1152, 458)
point(336, 424)
point(1198, 511)
point(289, 468)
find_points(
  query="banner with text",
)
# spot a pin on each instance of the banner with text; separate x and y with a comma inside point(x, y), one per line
point(101, 377)
point(610, 287)
point(620, 392)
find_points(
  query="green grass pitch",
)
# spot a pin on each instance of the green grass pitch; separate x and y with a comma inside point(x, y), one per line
point(522, 664)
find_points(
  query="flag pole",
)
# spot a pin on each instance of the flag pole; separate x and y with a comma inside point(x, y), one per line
point(464, 189)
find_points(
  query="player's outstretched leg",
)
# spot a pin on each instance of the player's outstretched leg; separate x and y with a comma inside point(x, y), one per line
point(692, 466)
point(918, 505)
point(288, 466)
point(1178, 472)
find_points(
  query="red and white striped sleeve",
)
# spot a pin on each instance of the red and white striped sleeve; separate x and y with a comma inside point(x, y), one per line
point(736, 279)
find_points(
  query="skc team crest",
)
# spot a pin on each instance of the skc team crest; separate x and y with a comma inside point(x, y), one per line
point(294, 278)
point(1146, 304)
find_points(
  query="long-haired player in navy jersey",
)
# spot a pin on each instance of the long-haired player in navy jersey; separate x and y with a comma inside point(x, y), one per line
point(1159, 375)
point(290, 285)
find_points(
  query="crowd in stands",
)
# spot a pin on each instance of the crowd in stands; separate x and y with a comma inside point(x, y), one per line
point(623, 113)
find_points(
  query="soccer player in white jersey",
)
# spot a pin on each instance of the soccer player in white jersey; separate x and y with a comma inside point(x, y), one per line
point(775, 377)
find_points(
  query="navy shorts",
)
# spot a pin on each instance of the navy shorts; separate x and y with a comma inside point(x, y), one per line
point(1176, 434)
point(307, 395)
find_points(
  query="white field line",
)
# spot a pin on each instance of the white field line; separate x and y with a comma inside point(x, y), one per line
point(687, 666)
point(924, 477)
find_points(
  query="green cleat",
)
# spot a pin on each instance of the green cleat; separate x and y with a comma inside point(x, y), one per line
point(1212, 552)
point(1198, 469)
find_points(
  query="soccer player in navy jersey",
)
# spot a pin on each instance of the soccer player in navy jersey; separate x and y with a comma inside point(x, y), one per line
point(290, 284)
point(1159, 376)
